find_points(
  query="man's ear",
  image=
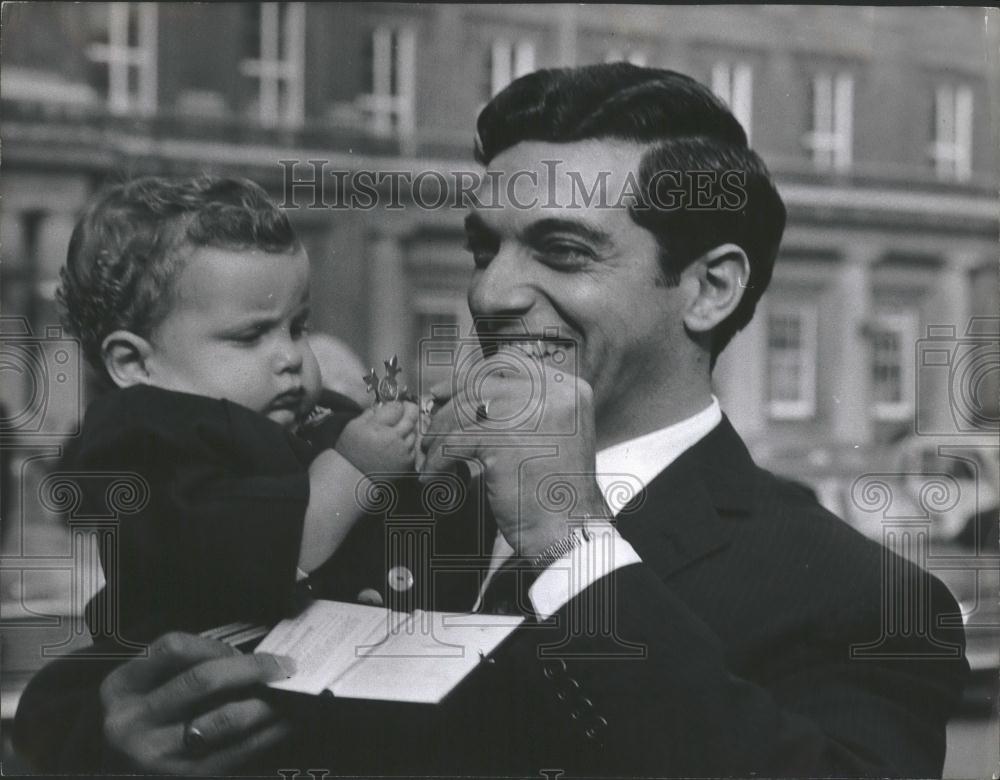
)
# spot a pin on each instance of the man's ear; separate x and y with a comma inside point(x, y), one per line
point(721, 275)
point(125, 357)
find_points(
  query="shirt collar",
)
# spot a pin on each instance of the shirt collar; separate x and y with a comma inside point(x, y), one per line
point(625, 468)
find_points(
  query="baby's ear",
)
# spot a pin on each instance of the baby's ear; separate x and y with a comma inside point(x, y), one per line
point(125, 355)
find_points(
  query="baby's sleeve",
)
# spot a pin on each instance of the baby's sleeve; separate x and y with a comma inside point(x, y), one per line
point(218, 539)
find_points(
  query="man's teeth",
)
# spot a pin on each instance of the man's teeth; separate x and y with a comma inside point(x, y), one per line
point(536, 348)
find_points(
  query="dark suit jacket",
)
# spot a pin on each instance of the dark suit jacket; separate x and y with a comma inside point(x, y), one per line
point(760, 635)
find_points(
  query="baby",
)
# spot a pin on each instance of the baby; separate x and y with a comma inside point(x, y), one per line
point(191, 299)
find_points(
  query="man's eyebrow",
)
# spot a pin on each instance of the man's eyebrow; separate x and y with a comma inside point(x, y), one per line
point(476, 224)
point(541, 228)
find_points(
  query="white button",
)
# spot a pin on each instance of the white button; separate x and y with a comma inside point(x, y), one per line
point(371, 597)
point(400, 578)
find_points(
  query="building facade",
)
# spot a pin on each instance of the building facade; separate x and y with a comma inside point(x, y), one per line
point(878, 124)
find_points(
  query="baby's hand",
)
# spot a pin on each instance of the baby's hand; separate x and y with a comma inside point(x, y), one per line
point(381, 440)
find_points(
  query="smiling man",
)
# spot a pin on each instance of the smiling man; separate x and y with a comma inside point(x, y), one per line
point(717, 621)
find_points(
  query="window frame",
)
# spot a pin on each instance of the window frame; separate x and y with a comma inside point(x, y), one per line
point(391, 102)
point(282, 27)
point(121, 57)
point(803, 407)
point(510, 61)
point(831, 136)
point(954, 109)
point(732, 82)
point(903, 323)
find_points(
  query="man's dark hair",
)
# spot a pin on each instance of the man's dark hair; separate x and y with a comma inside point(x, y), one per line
point(687, 130)
point(128, 248)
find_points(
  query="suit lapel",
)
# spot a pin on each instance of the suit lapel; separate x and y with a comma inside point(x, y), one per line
point(687, 511)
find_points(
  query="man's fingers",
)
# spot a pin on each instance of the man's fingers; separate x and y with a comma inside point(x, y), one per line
point(168, 656)
point(232, 722)
point(441, 392)
point(237, 755)
point(181, 696)
point(461, 453)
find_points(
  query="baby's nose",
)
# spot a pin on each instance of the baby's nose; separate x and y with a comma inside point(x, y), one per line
point(289, 357)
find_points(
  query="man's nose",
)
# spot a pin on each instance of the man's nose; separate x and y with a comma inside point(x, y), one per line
point(503, 286)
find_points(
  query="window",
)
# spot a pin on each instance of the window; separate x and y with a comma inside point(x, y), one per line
point(633, 56)
point(952, 147)
point(892, 357)
point(388, 106)
point(791, 361)
point(125, 56)
point(277, 62)
point(733, 83)
point(832, 121)
point(508, 62)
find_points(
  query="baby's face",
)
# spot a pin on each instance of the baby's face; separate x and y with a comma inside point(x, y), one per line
point(237, 330)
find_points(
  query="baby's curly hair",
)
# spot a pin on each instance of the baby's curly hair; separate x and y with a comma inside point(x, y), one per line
point(127, 250)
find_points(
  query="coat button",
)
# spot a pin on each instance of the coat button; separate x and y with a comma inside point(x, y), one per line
point(400, 578)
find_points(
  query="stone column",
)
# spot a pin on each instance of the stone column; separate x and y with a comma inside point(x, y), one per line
point(740, 377)
point(954, 294)
point(850, 372)
point(53, 240)
point(951, 312)
point(387, 291)
point(567, 32)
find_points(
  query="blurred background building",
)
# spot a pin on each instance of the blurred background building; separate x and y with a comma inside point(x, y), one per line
point(878, 337)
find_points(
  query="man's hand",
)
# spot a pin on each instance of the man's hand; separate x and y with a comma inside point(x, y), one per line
point(185, 679)
point(537, 479)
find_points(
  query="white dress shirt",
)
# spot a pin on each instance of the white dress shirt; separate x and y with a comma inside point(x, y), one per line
point(622, 470)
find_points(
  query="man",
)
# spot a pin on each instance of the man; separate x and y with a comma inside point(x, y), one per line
point(708, 628)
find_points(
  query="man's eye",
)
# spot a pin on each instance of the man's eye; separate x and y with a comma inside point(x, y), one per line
point(560, 253)
point(483, 251)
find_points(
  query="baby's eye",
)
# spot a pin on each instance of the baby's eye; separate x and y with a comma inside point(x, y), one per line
point(300, 328)
point(250, 336)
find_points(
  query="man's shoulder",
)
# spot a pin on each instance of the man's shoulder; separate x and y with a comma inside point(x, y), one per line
point(822, 555)
point(788, 517)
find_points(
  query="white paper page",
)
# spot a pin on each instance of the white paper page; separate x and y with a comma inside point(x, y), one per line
point(324, 641)
point(423, 665)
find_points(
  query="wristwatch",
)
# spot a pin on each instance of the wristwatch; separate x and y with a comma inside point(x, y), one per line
point(559, 548)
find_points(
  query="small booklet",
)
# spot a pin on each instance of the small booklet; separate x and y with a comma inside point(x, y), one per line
point(360, 652)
